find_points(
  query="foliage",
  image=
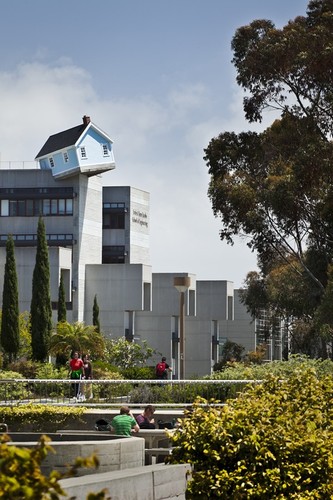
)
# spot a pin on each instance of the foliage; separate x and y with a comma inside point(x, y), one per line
point(10, 332)
point(231, 351)
point(39, 417)
point(62, 311)
point(10, 391)
point(282, 369)
point(40, 309)
point(96, 321)
point(275, 187)
point(274, 441)
point(180, 394)
point(78, 337)
point(21, 476)
point(257, 356)
point(139, 373)
point(126, 354)
point(25, 349)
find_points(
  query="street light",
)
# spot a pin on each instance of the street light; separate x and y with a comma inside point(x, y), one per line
point(182, 283)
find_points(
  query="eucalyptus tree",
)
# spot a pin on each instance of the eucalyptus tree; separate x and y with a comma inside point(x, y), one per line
point(275, 187)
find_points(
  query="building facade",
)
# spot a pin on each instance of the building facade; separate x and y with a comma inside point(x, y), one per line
point(98, 239)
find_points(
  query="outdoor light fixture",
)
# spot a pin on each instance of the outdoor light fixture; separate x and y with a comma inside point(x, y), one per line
point(182, 283)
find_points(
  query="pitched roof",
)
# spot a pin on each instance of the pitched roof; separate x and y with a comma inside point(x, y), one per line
point(62, 140)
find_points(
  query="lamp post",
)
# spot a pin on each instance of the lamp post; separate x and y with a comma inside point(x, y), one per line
point(182, 283)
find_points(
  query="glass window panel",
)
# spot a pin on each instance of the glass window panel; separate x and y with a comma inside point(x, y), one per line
point(38, 207)
point(4, 208)
point(54, 207)
point(21, 207)
point(12, 208)
point(46, 207)
point(69, 206)
point(61, 204)
point(29, 207)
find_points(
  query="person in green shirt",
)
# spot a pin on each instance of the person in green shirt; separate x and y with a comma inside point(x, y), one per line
point(123, 423)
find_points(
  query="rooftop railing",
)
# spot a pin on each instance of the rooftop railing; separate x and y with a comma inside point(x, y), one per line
point(113, 393)
point(19, 165)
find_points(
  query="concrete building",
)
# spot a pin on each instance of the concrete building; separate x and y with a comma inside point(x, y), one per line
point(98, 239)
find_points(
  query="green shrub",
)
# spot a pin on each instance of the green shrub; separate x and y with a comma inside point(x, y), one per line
point(12, 391)
point(39, 417)
point(275, 441)
point(139, 373)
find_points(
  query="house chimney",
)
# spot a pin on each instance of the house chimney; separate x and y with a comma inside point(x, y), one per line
point(86, 120)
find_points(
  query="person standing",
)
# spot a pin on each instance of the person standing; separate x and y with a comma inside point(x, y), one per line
point(76, 372)
point(86, 389)
point(124, 423)
point(162, 369)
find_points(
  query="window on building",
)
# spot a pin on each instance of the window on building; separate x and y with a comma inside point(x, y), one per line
point(105, 148)
point(83, 152)
point(51, 162)
point(113, 254)
point(4, 208)
point(66, 158)
point(114, 215)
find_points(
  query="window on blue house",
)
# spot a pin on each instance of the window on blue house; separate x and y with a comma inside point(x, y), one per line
point(66, 159)
point(83, 152)
point(105, 148)
point(51, 162)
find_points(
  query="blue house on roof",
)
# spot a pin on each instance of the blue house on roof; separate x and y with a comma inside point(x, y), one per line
point(84, 149)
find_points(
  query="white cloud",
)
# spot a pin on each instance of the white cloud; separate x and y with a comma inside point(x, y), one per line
point(158, 147)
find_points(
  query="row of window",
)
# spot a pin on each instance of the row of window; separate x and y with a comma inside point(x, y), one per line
point(28, 208)
point(31, 239)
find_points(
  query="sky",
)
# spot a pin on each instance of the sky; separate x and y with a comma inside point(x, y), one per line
point(157, 77)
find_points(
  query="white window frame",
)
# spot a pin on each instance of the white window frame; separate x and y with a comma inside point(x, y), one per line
point(105, 149)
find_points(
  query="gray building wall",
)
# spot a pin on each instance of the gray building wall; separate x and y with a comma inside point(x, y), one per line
point(133, 301)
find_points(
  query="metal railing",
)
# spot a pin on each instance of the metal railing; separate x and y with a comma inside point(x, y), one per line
point(18, 164)
point(113, 393)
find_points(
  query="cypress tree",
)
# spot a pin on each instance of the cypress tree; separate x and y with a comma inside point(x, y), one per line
point(10, 326)
point(61, 358)
point(96, 322)
point(40, 309)
point(62, 313)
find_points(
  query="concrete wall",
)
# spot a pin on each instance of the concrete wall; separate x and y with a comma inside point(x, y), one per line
point(153, 482)
point(113, 454)
point(119, 288)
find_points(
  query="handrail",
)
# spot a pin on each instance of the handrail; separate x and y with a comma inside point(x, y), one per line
point(113, 393)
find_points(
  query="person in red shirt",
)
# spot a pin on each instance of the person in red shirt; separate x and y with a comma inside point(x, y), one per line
point(76, 371)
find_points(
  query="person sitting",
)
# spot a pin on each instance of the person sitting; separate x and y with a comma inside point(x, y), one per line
point(124, 423)
point(145, 419)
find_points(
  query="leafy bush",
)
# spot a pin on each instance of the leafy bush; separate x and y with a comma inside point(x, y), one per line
point(39, 417)
point(21, 477)
point(11, 391)
point(274, 441)
point(139, 373)
point(243, 371)
point(26, 368)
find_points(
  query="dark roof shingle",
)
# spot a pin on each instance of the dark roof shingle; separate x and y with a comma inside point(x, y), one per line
point(62, 140)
